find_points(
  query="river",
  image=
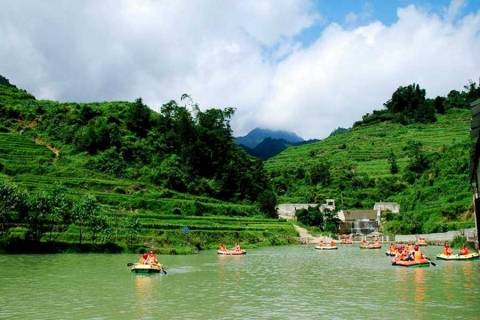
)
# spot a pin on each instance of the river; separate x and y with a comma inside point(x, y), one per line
point(291, 282)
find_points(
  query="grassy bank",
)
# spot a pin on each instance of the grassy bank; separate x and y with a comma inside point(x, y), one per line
point(359, 172)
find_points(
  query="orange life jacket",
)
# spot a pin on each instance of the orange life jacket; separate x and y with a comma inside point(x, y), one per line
point(418, 255)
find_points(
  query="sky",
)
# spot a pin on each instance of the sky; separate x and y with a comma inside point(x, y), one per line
point(307, 66)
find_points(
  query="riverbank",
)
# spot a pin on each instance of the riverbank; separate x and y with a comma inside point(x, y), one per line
point(202, 233)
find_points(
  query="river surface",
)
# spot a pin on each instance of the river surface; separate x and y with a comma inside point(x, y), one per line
point(292, 282)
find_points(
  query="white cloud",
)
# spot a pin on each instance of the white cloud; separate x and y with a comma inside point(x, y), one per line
point(240, 53)
point(347, 73)
point(454, 9)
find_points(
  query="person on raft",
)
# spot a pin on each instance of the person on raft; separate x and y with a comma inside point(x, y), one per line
point(143, 258)
point(237, 248)
point(222, 248)
point(393, 248)
point(463, 251)
point(332, 243)
point(418, 255)
point(152, 258)
point(447, 250)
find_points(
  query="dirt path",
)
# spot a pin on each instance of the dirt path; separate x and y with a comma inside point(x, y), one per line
point(54, 150)
point(306, 237)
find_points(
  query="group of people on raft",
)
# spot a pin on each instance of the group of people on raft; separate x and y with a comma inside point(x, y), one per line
point(408, 252)
point(375, 243)
point(236, 249)
point(447, 250)
point(322, 243)
point(148, 258)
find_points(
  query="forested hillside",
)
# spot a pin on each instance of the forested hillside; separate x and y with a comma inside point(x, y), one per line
point(414, 152)
point(118, 172)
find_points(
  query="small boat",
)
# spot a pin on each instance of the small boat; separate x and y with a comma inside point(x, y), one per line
point(326, 247)
point(470, 256)
point(424, 263)
point(422, 242)
point(231, 252)
point(147, 268)
point(371, 246)
point(389, 253)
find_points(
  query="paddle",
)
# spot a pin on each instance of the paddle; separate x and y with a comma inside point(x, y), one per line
point(431, 262)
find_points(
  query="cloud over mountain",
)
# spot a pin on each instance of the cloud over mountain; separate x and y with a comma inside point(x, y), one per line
point(244, 54)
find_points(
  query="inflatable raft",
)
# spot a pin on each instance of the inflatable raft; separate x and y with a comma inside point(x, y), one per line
point(326, 248)
point(422, 242)
point(231, 253)
point(371, 246)
point(424, 263)
point(470, 256)
point(146, 268)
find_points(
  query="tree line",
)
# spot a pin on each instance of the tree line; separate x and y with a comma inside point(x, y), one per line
point(408, 105)
point(44, 215)
point(180, 147)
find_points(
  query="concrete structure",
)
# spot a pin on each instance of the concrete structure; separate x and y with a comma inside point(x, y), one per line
point(358, 221)
point(287, 210)
point(475, 164)
point(329, 204)
point(470, 234)
point(381, 207)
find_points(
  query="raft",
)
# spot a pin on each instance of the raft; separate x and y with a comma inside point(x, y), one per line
point(326, 248)
point(146, 268)
point(422, 242)
point(231, 253)
point(470, 256)
point(371, 247)
point(424, 263)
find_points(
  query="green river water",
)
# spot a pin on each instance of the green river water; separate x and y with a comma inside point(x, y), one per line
point(293, 282)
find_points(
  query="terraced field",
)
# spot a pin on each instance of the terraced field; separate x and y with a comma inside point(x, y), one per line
point(437, 201)
point(163, 215)
point(369, 146)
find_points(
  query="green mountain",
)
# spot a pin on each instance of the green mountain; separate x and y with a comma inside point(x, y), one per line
point(120, 175)
point(401, 156)
point(257, 135)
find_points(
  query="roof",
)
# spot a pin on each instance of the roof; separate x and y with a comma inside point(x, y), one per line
point(351, 215)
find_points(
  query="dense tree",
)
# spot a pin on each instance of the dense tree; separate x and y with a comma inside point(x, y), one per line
point(319, 173)
point(408, 105)
point(13, 204)
point(267, 202)
point(392, 160)
point(84, 212)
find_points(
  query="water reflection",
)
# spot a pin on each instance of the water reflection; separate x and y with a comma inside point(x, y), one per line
point(467, 274)
point(419, 282)
point(144, 288)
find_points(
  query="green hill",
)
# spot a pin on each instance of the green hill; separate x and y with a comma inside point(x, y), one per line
point(353, 167)
point(51, 151)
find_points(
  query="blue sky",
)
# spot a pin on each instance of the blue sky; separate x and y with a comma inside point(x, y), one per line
point(307, 66)
point(336, 11)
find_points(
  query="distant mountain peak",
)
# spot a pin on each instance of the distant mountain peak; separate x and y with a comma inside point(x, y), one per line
point(257, 135)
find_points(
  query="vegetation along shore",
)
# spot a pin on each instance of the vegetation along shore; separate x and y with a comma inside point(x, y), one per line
point(118, 176)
